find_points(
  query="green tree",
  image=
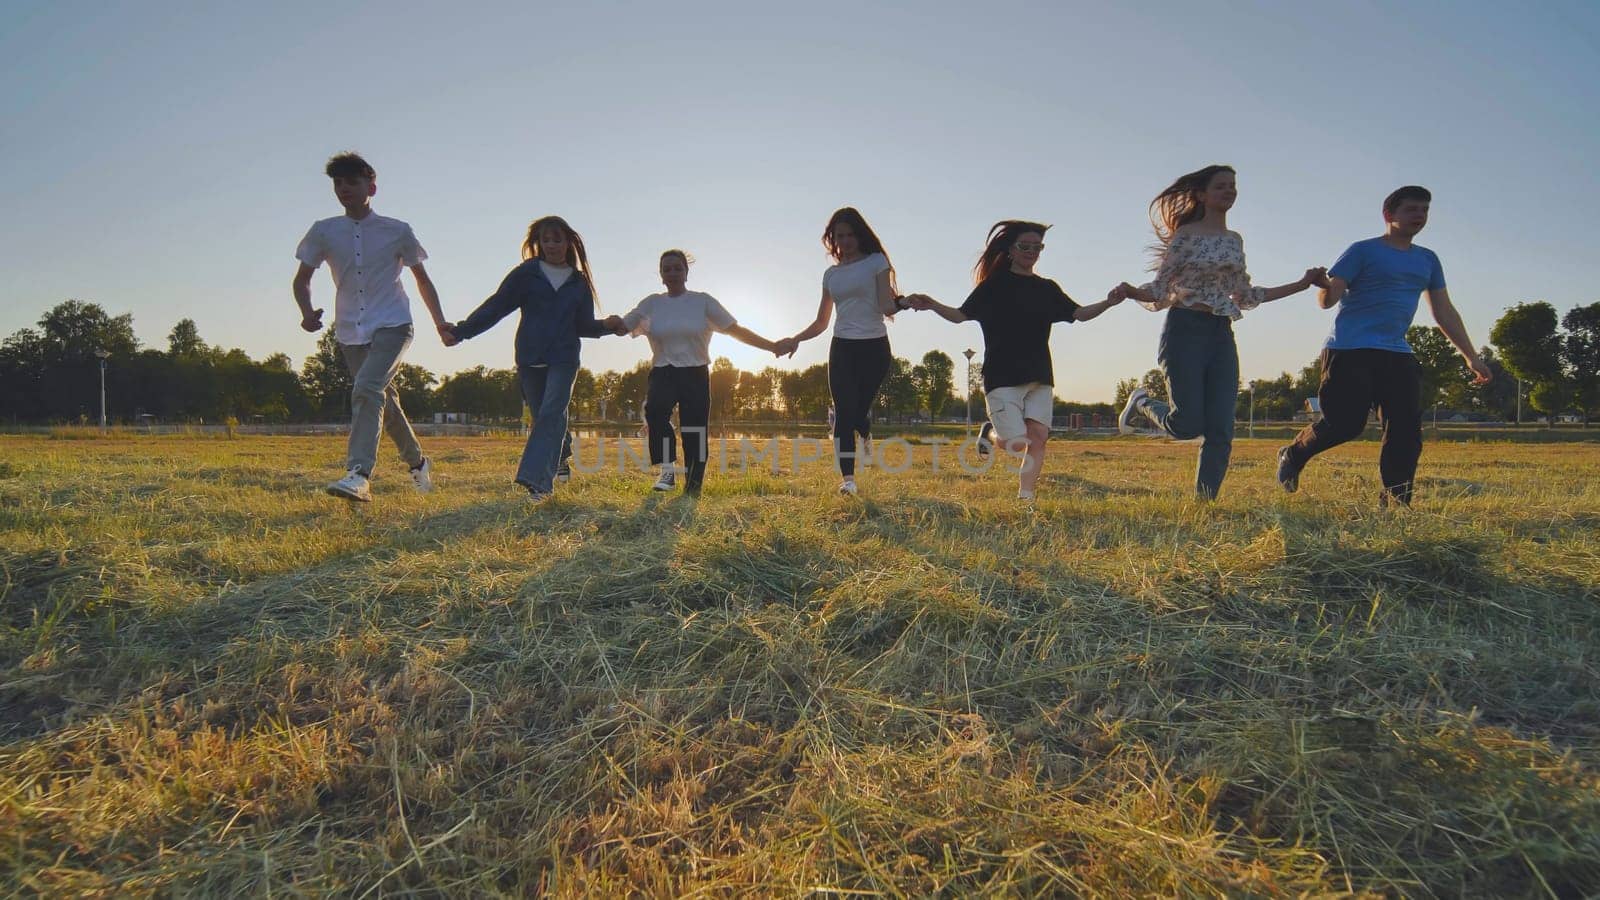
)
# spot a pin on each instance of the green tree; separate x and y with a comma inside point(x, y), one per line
point(898, 396)
point(724, 378)
point(939, 381)
point(1530, 348)
point(326, 380)
point(585, 399)
point(1155, 383)
point(184, 340)
point(481, 392)
point(415, 385)
point(1125, 389)
point(1581, 353)
point(1443, 376)
point(74, 330)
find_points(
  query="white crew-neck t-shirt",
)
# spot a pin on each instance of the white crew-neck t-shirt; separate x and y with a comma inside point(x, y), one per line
point(679, 328)
point(854, 289)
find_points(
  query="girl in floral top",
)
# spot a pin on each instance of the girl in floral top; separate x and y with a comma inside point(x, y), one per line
point(1202, 283)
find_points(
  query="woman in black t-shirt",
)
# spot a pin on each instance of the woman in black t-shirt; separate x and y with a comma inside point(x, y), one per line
point(1015, 308)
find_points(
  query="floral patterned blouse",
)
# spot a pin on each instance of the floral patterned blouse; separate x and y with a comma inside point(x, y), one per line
point(1204, 270)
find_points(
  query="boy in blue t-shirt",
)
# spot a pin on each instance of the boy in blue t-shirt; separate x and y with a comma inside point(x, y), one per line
point(1366, 361)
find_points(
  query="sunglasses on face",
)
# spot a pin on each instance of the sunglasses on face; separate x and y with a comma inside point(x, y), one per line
point(1027, 248)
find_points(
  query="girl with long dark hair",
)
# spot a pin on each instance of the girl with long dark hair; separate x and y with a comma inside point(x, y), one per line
point(860, 286)
point(1015, 308)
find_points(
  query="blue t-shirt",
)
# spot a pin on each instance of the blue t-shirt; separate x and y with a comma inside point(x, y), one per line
point(1385, 285)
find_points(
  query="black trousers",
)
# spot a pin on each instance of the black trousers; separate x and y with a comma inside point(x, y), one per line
point(1354, 382)
point(689, 389)
point(856, 369)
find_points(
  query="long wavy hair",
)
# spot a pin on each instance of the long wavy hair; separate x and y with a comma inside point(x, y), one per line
point(997, 251)
point(1180, 204)
point(577, 256)
point(866, 239)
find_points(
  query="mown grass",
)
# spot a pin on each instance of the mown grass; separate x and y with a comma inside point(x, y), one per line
point(216, 680)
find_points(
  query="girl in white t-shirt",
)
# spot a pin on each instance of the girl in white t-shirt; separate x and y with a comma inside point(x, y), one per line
point(861, 287)
point(679, 324)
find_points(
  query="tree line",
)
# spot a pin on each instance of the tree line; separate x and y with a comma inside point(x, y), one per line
point(51, 373)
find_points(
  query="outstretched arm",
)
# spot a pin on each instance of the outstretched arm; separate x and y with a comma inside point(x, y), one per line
point(1085, 313)
point(745, 335)
point(948, 313)
point(499, 305)
point(1444, 313)
point(430, 299)
point(1318, 276)
point(820, 323)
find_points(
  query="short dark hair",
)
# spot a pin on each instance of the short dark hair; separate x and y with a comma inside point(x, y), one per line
point(1409, 192)
point(348, 165)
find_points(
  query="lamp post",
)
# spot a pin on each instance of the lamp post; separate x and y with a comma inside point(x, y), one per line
point(1252, 409)
point(102, 355)
point(968, 354)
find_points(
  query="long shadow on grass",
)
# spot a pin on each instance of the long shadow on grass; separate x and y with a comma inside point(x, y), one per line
point(106, 651)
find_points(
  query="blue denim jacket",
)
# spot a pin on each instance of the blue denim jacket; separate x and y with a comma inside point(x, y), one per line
point(552, 319)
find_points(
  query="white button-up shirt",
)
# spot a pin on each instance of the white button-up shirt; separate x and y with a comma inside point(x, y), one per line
point(366, 256)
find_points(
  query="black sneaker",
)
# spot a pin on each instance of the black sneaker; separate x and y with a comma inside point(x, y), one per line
point(563, 473)
point(1288, 470)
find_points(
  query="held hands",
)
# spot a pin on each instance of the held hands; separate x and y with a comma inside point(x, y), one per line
point(919, 301)
point(447, 334)
point(1131, 292)
point(312, 321)
point(1481, 372)
point(1316, 276)
point(784, 347)
point(615, 325)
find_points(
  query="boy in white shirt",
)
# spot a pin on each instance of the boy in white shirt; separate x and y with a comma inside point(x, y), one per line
point(371, 317)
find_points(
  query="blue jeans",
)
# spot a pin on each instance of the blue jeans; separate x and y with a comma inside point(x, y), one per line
point(547, 390)
point(1201, 363)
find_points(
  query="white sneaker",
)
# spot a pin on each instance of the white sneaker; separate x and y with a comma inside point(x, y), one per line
point(1132, 411)
point(422, 476)
point(563, 473)
point(848, 487)
point(666, 482)
point(353, 486)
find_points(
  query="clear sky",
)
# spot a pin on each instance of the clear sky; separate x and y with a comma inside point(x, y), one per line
point(164, 159)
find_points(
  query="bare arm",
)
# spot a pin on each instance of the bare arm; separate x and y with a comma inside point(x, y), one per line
point(430, 299)
point(1333, 293)
point(948, 313)
point(745, 335)
point(886, 294)
point(1311, 277)
point(1085, 313)
point(310, 319)
point(820, 324)
point(1444, 313)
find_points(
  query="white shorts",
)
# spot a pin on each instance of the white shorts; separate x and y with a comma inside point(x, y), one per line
point(1010, 407)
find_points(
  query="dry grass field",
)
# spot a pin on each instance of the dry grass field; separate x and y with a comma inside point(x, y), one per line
point(216, 680)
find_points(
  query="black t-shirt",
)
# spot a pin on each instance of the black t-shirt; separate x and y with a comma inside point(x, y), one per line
point(1015, 313)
